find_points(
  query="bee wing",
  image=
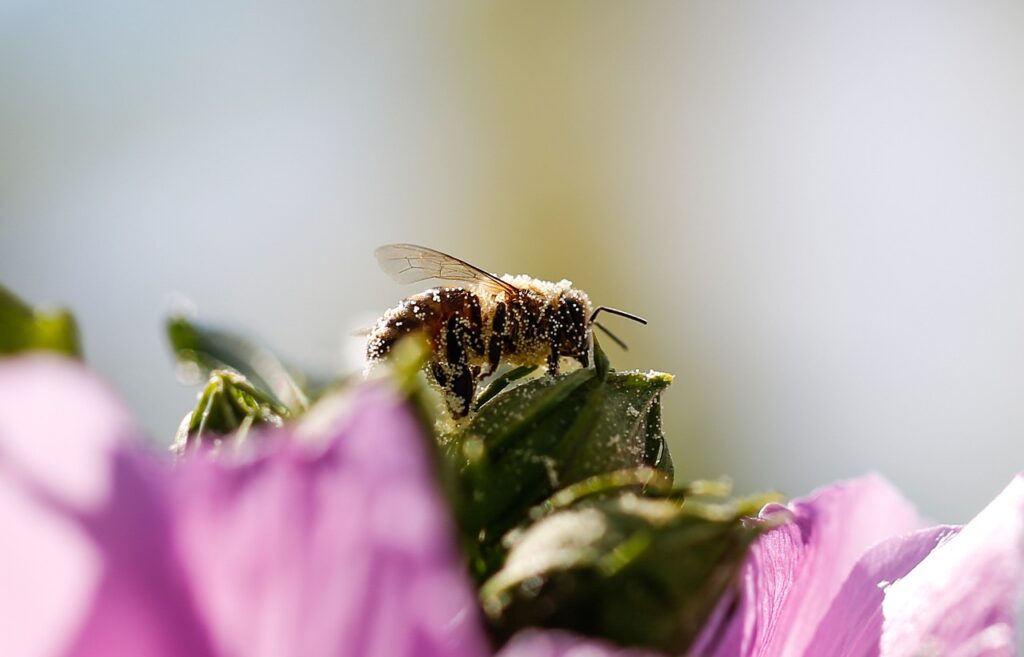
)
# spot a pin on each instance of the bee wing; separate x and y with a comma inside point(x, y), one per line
point(410, 263)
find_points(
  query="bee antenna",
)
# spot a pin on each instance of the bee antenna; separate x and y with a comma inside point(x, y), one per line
point(620, 313)
point(611, 335)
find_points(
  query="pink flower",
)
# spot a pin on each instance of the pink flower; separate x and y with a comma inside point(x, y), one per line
point(857, 574)
point(338, 543)
point(335, 547)
point(551, 643)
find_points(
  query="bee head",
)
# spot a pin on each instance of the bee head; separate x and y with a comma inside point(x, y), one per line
point(571, 327)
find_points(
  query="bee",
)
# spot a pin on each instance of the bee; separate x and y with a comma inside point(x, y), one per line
point(487, 321)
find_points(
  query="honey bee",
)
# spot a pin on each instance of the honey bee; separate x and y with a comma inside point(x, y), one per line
point(473, 328)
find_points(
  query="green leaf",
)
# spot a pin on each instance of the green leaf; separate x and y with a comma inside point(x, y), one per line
point(645, 479)
point(500, 383)
point(228, 406)
point(23, 328)
point(545, 434)
point(207, 349)
point(636, 570)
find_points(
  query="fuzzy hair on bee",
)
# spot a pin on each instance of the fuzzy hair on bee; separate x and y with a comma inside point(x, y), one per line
point(488, 321)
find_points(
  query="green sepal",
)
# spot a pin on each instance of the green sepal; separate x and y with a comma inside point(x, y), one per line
point(227, 408)
point(23, 328)
point(208, 349)
point(501, 382)
point(545, 434)
point(636, 570)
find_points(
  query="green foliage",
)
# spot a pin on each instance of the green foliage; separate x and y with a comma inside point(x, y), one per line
point(547, 433)
point(633, 568)
point(228, 407)
point(563, 489)
point(247, 385)
point(23, 328)
point(207, 349)
point(500, 383)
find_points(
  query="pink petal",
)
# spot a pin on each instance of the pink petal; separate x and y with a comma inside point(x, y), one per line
point(47, 567)
point(335, 550)
point(142, 604)
point(853, 625)
point(59, 425)
point(795, 571)
point(961, 599)
point(85, 568)
point(553, 643)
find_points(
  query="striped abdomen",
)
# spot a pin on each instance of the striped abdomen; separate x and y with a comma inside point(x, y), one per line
point(431, 312)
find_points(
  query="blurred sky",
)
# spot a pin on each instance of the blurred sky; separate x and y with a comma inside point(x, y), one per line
point(818, 206)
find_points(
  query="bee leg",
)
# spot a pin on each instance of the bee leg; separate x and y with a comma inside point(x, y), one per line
point(494, 353)
point(553, 361)
point(460, 386)
point(437, 371)
point(462, 389)
point(497, 337)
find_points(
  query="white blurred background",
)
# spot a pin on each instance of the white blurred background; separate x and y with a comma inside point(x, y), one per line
point(818, 206)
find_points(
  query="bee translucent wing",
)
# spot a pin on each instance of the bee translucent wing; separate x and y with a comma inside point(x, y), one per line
point(410, 263)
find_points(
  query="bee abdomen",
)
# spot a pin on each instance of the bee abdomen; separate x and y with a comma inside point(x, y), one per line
point(417, 313)
point(451, 318)
point(428, 312)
